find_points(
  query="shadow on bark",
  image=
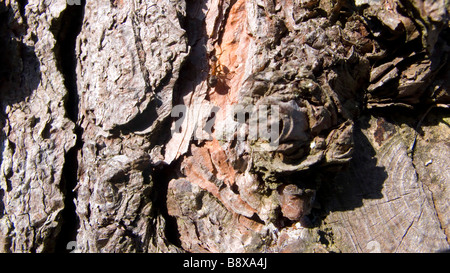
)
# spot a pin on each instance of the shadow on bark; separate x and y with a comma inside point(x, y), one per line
point(362, 179)
point(20, 67)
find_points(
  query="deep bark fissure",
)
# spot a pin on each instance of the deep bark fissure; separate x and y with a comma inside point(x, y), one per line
point(66, 29)
point(22, 5)
point(163, 175)
point(221, 29)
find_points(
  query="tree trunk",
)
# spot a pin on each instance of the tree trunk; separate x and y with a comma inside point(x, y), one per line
point(224, 126)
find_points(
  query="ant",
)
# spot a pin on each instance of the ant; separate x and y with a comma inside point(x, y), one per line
point(217, 70)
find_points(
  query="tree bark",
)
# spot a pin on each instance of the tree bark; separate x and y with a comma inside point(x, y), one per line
point(138, 126)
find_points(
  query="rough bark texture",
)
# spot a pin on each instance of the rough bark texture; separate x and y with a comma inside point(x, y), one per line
point(94, 148)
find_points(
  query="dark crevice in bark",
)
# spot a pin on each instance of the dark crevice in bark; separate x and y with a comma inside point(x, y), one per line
point(66, 29)
point(194, 68)
point(226, 14)
point(69, 181)
point(188, 76)
point(162, 176)
point(22, 4)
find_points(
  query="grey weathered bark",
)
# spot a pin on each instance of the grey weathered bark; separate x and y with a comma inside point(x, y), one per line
point(93, 151)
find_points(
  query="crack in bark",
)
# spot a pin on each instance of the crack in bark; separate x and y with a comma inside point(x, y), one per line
point(415, 220)
point(66, 29)
point(159, 197)
point(223, 23)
